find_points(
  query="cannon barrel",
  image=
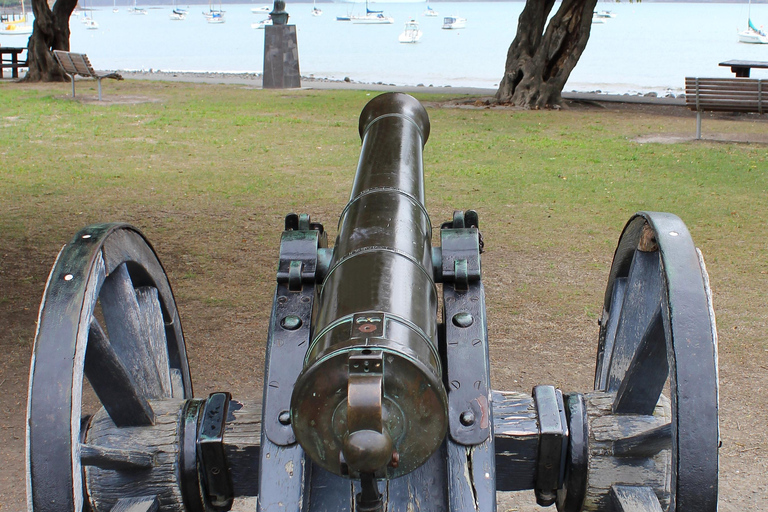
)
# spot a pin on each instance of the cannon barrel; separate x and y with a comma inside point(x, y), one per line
point(370, 398)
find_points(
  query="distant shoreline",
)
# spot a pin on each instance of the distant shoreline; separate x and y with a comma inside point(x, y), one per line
point(603, 5)
point(311, 82)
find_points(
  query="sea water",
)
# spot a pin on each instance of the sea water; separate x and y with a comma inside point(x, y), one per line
point(645, 47)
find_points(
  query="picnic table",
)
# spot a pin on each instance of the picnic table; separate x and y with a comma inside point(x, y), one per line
point(13, 62)
point(741, 67)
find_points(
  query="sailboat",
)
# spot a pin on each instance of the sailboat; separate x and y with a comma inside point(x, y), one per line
point(214, 15)
point(752, 34)
point(178, 14)
point(430, 12)
point(18, 25)
point(372, 17)
point(137, 10)
point(87, 18)
point(315, 10)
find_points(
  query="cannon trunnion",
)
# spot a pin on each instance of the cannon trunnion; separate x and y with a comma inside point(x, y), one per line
point(377, 391)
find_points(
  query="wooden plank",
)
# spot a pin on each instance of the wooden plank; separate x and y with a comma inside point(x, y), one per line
point(113, 383)
point(628, 498)
point(422, 490)
point(152, 319)
point(641, 302)
point(140, 504)
point(516, 433)
point(644, 444)
point(127, 333)
point(114, 458)
point(612, 323)
point(642, 383)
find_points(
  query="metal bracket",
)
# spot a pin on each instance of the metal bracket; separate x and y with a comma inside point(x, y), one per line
point(466, 332)
point(216, 481)
point(553, 443)
point(289, 329)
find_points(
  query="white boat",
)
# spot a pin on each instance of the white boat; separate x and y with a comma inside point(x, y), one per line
point(752, 34)
point(454, 22)
point(411, 34)
point(178, 14)
point(91, 24)
point(262, 23)
point(215, 17)
point(17, 25)
point(137, 10)
point(316, 12)
point(430, 12)
point(371, 17)
point(260, 10)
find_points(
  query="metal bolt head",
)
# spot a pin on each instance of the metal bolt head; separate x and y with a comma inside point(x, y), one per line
point(467, 418)
point(290, 323)
point(462, 319)
point(284, 418)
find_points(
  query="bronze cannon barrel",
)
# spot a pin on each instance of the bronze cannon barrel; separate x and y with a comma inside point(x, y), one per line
point(370, 399)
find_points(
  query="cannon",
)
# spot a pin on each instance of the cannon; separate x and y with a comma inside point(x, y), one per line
point(377, 392)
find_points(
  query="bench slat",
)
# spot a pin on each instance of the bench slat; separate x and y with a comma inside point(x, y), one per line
point(726, 94)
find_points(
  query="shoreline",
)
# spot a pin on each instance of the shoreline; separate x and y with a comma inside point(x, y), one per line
point(312, 82)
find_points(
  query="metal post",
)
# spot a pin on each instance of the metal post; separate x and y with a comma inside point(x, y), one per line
point(73, 84)
point(99, 80)
point(698, 124)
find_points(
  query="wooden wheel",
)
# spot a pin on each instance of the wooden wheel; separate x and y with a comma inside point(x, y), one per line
point(658, 339)
point(108, 314)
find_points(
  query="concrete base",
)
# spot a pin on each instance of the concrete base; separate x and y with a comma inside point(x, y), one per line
point(281, 57)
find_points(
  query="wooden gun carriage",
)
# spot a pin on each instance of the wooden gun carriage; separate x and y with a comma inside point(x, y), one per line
point(377, 391)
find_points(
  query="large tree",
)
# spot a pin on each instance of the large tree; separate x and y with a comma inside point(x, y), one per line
point(540, 61)
point(50, 32)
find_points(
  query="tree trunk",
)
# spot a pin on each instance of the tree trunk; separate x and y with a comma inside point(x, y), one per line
point(50, 32)
point(539, 62)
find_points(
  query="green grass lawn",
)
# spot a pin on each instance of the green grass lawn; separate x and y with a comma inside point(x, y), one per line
point(557, 182)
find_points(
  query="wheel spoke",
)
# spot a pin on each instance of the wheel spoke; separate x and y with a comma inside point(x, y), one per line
point(112, 458)
point(127, 333)
point(609, 340)
point(628, 498)
point(112, 382)
point(644, 379)
point(641, 302)
point(152, 319)
point(645, 444)
point(140, 504)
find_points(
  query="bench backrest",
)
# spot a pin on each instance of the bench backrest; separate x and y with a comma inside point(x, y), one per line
point(727, 94)
point(75, 63)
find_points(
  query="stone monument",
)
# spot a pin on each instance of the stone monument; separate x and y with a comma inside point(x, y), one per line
point(281, 51)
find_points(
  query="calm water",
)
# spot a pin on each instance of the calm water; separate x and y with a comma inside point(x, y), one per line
point(646, 47)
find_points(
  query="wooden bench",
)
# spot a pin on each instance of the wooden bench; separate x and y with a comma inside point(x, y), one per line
point(10, 59)
point(78, 64)
point(725, 95)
